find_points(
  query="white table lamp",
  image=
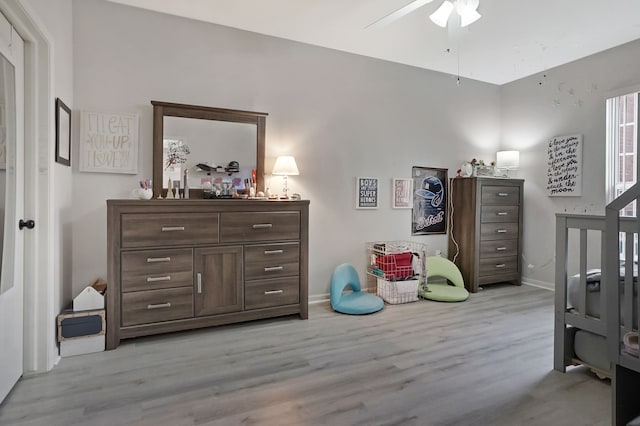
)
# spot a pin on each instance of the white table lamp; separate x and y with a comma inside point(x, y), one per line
point(285, 166)
point(507, 160)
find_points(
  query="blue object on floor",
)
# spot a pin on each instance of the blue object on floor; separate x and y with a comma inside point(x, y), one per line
point(441, 267)
point(356, 303)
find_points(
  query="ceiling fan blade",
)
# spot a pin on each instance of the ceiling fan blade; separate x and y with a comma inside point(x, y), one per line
point(405, 10)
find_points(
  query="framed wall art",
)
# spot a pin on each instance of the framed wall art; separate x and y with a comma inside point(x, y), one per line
point(63, 133)
point(430, 198)
point(564, 166)
point(108, 142)
point(367, 190)
point(402, 193)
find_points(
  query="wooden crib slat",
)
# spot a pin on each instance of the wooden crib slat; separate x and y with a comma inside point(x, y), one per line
point(582, 301)
point(627, 306)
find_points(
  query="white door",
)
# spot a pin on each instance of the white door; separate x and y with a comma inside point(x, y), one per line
point(11, 206)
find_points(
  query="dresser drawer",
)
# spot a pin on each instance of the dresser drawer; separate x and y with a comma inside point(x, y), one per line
point(144, 307)
point(498, 248)
point(505, 195)
point(498, 231)
point(271, 260)
point(498, 265)
point(272, 292)
point(162, 229)
point(490, 214)
point(260, 226)
point(156, 269)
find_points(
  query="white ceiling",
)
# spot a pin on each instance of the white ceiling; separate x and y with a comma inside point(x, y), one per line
point(513, 39)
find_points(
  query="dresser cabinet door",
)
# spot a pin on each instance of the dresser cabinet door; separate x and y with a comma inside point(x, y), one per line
point(218, 281)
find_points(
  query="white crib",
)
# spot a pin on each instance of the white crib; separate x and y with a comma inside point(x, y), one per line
point(600, 312)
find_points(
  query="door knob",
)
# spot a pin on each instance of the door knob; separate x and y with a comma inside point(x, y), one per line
point(29, 224)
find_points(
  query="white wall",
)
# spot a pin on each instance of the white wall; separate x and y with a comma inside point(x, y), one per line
point(565, 100)
point(340, 115)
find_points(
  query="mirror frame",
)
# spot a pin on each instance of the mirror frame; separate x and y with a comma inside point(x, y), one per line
point(167, 109)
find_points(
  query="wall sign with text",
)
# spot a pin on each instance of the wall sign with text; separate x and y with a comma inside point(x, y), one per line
point(108, 142)
point(564, 166)
point(367, 190)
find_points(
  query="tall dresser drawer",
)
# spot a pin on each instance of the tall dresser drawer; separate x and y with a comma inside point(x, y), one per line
point(505, 195)
point(498, 265)
point(498, 248)
point(490, 214)
point(271, 260)
point(272, 292)
point(259, 226)
point(144, 307)
point(156, 269)
point(498, 231)
point(162, 229)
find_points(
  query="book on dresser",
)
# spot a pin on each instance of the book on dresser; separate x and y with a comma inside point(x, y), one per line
point(182, 264)
point(485, 237)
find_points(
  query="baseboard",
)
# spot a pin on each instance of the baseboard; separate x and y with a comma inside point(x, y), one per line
point(540, 284)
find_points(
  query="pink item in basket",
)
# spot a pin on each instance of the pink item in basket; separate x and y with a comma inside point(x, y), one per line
point(395, 265)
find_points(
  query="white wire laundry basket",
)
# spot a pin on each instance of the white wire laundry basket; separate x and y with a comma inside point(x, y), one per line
point(399, 268)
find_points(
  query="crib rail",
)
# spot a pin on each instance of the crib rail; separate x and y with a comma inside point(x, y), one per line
point(585, 226)
point(620, 239)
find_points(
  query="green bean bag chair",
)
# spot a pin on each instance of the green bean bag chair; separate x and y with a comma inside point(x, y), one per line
point(452, 291)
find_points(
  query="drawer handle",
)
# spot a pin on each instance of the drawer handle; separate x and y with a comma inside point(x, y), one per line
point(262, 225)
point(158, 259)
point(501, 266)
point(273, 292)
point(273, 251)
point(501, 248)
point(159, 305)
point(503, 194)
point(172, 228)
point(502, 213)
point(273, 268)
point(199, 283)
point(154, 279)
point(502, 231)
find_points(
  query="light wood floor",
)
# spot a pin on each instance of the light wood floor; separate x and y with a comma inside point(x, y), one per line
point(487, 361)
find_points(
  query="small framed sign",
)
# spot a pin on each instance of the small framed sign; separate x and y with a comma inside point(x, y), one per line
point(402, 193)
point(367, 190)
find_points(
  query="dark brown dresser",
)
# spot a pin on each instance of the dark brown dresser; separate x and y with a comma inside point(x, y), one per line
point(182, 264)
point(485, 234)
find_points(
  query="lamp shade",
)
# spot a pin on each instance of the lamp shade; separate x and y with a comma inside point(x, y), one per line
point(285, 166)
point(508, 160)
point(441, 15)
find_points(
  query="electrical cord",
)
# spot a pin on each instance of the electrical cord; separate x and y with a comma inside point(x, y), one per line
point(451, 209)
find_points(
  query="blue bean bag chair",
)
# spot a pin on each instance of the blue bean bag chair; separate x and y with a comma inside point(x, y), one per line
point(441, 267)
point(356, 303)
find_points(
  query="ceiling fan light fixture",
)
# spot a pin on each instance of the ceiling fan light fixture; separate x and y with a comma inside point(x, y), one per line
point(469, 18)
point(441, 16)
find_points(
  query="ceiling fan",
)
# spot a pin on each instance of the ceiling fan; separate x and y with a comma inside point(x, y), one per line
point(467, 10)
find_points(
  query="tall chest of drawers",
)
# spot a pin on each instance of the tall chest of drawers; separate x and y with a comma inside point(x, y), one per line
point(183, 264)
point(485, 235)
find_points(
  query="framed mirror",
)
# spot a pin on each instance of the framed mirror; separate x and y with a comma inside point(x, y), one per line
point(216, 146)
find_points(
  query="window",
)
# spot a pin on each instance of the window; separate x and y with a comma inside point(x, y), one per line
point(622, 142)
point(622, 158)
